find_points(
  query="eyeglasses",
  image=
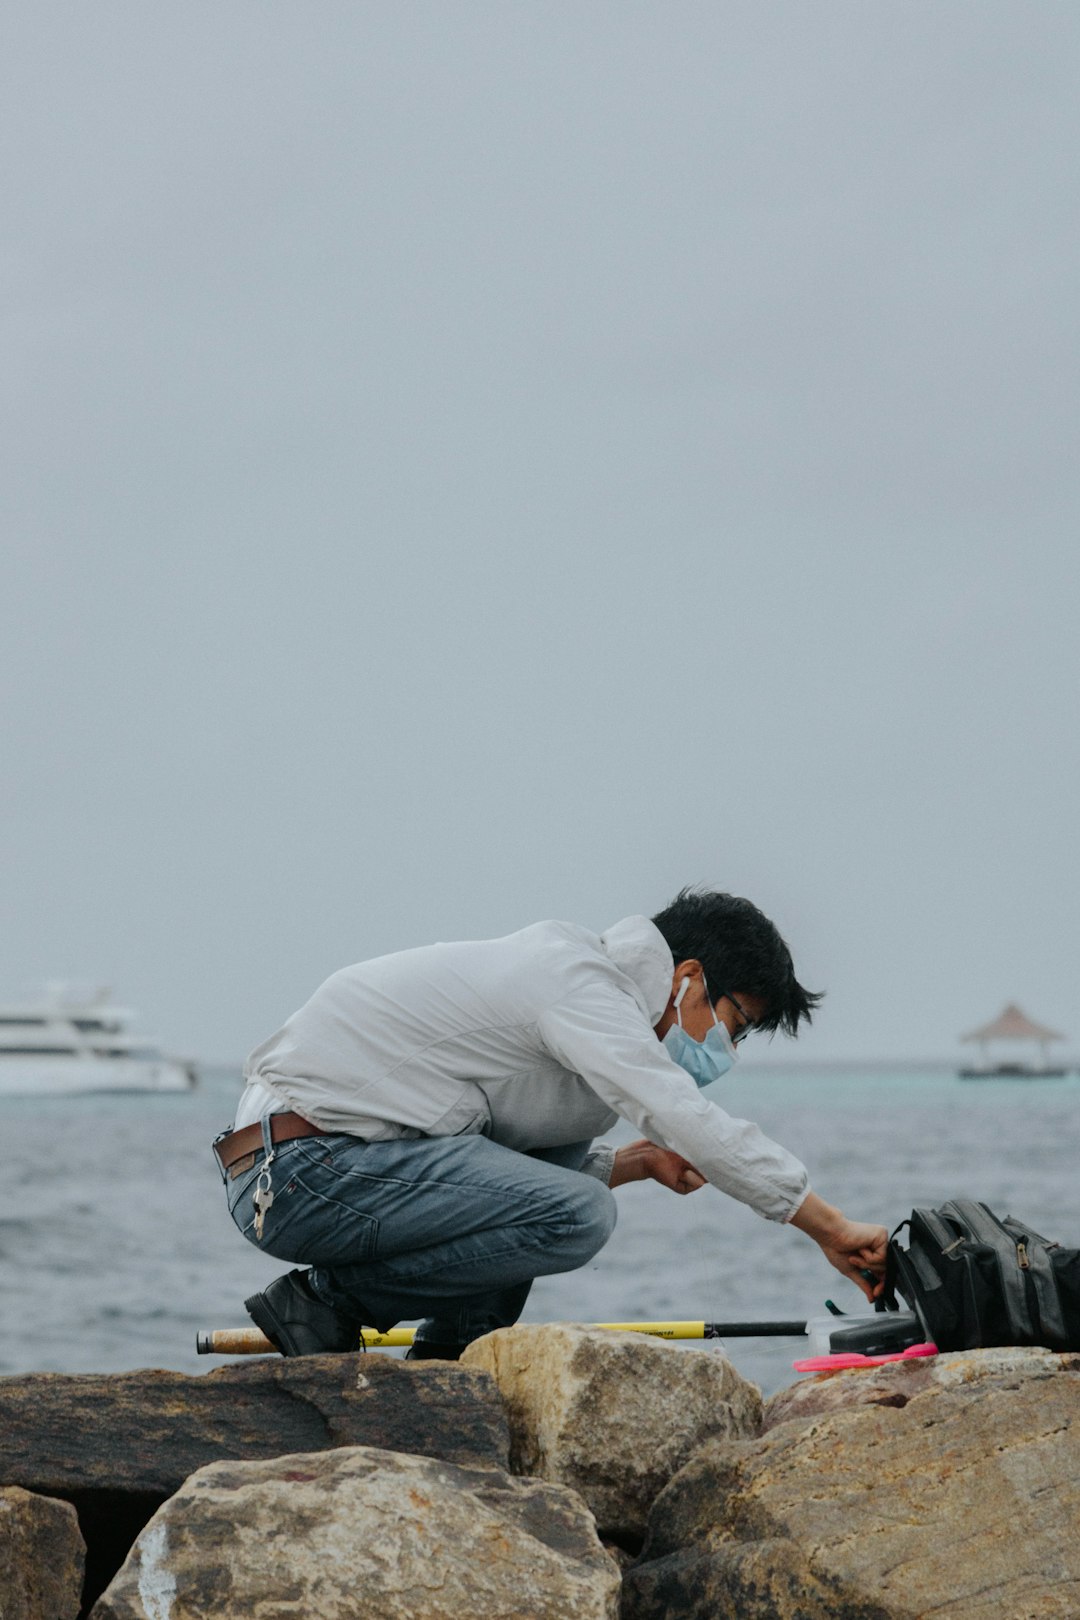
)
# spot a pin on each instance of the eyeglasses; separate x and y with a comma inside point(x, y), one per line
point(747, 1024)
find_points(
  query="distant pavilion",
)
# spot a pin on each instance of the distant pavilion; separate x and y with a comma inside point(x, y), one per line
point(1012, 1025)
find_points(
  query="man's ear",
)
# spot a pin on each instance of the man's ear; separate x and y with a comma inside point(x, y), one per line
point(685, 973)
point(682, 982)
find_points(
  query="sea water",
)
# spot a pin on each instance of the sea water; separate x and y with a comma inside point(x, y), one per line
point(116, 1246)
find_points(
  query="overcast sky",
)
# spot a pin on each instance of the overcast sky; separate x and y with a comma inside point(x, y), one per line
point(468, 463)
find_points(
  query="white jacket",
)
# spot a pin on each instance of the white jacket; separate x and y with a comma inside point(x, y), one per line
point(537, 1040)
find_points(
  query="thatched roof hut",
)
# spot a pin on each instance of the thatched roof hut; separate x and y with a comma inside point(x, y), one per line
point(1013, 1025)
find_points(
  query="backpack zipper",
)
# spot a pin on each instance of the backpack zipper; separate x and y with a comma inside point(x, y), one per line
point(1041, 1281)
point(940, 1232)
point(985, 1227)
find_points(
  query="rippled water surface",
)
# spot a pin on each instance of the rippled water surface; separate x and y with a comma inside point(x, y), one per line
point(115, 1245)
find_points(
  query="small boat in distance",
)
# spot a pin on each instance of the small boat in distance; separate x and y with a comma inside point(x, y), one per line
point(1013, 1025)
point(71, 1041)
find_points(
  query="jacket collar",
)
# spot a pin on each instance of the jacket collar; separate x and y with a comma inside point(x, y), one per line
point(638, 948)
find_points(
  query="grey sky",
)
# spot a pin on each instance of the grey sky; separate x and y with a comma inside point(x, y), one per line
point(469, 463)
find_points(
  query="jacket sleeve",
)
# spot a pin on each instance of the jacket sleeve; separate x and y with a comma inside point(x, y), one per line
point(600, 1162)
point(599, 1033)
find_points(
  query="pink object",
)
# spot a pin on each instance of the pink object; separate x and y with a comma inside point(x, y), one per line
point(852, 1358)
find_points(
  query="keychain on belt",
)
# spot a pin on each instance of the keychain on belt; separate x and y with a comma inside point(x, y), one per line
point(264, 1190)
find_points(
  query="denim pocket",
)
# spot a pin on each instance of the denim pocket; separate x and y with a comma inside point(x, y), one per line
point(309, 1220)
point(241, 1186)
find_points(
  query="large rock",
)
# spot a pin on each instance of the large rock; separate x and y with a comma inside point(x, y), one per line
point(613, 1415)
point(41, 1557)
point(961, 1502)
point(343, 1534)
point(897, 1382)
point(117, 1445)
point(146, 1432)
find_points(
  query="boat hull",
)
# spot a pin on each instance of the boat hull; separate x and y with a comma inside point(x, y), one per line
point(1012, 1071)
point(66, 1077)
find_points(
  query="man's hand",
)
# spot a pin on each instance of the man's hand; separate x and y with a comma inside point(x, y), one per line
point(851, 1246)
point(644, 1161)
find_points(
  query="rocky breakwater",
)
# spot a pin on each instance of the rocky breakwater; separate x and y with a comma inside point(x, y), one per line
point(559, 1472)
point(948, 1488)
point(336, 1487)
point(102, 1453)
point(613, 1415)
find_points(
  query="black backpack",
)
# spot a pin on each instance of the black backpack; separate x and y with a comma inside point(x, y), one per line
point(975, 1280)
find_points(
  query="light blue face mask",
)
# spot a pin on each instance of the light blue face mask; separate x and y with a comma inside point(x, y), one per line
point(704, 1061)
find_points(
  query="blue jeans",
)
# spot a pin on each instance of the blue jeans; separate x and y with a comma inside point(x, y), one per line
point(452, 1229)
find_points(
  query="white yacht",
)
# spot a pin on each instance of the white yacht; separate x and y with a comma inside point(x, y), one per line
point(71, 1041)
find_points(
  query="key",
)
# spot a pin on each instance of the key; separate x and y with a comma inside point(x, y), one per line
point(264, 1197)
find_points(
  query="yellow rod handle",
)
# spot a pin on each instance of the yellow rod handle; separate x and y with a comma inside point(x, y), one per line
point(250, 1342)
point(658, 1330)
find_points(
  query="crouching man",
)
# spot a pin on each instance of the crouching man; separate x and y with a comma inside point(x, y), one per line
point(420, 1135)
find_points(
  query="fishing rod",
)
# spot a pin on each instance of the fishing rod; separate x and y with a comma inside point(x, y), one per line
point(887, 1332)
point(251, 1342)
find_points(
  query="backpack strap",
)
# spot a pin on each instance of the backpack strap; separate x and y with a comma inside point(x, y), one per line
point(887, 1300)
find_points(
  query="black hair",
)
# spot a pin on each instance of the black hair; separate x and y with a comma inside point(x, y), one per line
point(739, 949)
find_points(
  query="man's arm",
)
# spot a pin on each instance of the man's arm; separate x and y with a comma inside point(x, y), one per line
point(851, 1246)
point(644, 1161)
point(600, 1033)
point(600, 1162)
point(610, 1045)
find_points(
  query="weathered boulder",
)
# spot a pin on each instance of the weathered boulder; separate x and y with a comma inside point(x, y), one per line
point(41, 1557)
point(117, 1445)
point(962, 1502)
point(147, 1431)
point(897, 1382)
point(613, 1415)
point(358, 1531)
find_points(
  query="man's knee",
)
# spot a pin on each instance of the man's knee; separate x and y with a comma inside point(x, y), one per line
point(594, 1216)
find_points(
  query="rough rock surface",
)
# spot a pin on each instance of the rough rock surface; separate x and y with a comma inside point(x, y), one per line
point(613, 1415)
point(41, 1557)
point(117, 1445)
point(962, 1502)
point(146, 1431)
point(357, 1532)
point(896, 1383)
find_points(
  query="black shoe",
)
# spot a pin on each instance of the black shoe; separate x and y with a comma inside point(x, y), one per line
point(432, 1350)
point(297, 1322)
